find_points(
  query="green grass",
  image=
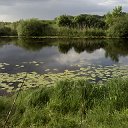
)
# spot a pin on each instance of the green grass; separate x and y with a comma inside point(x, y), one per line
point(75, 32)
point(70, 104)
point(61, 32)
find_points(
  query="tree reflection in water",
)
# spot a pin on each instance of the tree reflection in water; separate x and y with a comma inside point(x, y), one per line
point(114, 48)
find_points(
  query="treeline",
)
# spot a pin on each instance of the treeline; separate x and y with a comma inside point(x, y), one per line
point(81, 21)
point(8, 28)
point(113, 24)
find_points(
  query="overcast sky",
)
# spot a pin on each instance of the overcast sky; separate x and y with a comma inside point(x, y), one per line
point(12, 10)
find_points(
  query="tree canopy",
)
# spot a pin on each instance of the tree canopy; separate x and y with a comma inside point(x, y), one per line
point(80, 21)
point(112, 16)
point(64, 20)
point(119, 28)
point(117, 22)
point(31, 27)
point(113, 24)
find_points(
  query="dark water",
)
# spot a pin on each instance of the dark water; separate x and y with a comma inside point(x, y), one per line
point(60, 54)
point(41, 55)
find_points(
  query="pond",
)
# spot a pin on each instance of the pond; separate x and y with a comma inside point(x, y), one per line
point(44, 61)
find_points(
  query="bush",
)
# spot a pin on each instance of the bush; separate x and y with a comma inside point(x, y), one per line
point(64, 21)
point(74, 32)
point(31, 27)
point(119, 28)
point(6, 31)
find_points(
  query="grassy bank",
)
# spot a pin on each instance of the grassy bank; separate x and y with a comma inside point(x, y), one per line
point(70, 104)
point(63, 32)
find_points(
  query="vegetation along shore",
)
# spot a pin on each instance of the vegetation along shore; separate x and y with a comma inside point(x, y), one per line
point(65, 83)
point(112, 25)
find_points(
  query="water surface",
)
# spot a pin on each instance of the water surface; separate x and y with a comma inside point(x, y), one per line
point(44, 56)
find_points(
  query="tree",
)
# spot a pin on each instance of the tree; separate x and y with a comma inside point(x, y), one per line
point(111, 17)
point(117, 22)
point(119, 28)
point(64, 21)
point(89, 21)
point(31, 27)
point(94, 21)
point(6, 31)
point(80, 20)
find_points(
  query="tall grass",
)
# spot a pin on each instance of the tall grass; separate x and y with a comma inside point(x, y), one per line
point(75, 32)
point(71, 104)
point(51, 30)
point(5, 106)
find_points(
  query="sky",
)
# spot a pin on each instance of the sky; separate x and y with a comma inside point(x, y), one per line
point(13, 10)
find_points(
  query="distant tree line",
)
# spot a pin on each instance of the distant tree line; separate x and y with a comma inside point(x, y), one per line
point(8, 29)
point(81, 21)
point(113, 24)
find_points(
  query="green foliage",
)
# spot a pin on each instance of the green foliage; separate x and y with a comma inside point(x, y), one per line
point(89, 21)
point(117, 11)
point(67, 122)
point(32, 117)
point(40, 97)
point(118, 94)
point(6, 31)
point(117, 22)
point(64, 21)
point(83, 25)
point(111, 17)
point(5, 106)
point(119, 28)
point(71, 104)
point(70, 95)
point(74, 32)
point(81, 21)
point(31, 27)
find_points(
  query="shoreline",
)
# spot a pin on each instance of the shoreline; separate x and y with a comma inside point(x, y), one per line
point(64, 37)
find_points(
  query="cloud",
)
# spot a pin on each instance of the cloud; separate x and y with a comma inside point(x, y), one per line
point(11, 10)
point(113, 2)
point(15, 2)
point(72, 57)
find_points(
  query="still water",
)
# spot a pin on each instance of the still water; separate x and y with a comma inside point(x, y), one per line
point(43, 56)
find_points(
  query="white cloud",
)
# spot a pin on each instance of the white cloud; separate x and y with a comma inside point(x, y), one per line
point(113, 2)
point(73, 57)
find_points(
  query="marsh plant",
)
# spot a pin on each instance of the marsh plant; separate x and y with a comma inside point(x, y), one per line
point(112, 25)
point(70, 104)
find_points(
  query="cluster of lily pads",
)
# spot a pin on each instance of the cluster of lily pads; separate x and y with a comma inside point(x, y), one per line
point(92, 73)
point(30, 63)
point(2, 65)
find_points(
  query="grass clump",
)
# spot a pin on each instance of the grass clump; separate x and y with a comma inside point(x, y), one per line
point(5, 106)
point(74, 32)
point(40, 97)
point(72, 104)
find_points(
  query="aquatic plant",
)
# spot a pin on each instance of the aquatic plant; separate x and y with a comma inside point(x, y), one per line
point(92, 73)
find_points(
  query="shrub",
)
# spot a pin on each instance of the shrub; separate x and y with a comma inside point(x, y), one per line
point(119, 28)
point(6, 31)
point(31, 27)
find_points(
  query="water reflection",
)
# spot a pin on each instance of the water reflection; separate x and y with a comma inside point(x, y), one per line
point(114, 48)
point(96, 60)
